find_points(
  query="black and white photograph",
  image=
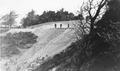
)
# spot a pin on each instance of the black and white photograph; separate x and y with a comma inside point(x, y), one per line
point(59, 35)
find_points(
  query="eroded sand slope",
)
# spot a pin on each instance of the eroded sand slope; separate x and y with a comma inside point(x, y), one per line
point(50, 41)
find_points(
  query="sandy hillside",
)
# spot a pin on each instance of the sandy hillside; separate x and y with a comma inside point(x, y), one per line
point(50, 41)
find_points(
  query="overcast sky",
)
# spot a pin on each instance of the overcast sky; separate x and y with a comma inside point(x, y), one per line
point(22, 7)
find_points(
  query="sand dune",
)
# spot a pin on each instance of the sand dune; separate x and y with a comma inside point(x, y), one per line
point(50, 41)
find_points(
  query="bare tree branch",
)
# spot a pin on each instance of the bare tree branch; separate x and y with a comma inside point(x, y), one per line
point(100, 6)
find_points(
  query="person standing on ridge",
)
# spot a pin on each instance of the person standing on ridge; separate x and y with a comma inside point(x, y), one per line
point(68, 25)
point(60, 25)
point(55, 26)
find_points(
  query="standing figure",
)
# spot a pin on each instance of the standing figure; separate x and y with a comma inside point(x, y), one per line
point(60, 25)
point(68, 25)
point(55, 26)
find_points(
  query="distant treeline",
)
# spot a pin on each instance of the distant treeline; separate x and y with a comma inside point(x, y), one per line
point(48, 16)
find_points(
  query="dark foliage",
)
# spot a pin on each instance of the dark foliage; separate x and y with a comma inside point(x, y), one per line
point(31, 19)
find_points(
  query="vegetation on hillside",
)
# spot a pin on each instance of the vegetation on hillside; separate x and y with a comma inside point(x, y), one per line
point(9, 19)
point(99, 50)
point(11, 43)
point(31, 19)
point(48, 16)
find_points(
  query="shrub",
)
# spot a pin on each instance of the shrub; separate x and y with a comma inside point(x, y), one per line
point(21, 39)
point(16, 41)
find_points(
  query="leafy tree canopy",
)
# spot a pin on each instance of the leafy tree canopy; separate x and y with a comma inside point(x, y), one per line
point(9, 19)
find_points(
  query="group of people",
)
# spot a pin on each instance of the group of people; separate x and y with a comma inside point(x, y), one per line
point(61, 26)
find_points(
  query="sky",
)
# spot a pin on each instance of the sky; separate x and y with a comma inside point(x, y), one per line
point(22, 7)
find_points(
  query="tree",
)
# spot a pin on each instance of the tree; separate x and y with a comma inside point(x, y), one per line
point(31, 19)
point(104, 26)
point(9, 19)
point(48, 16)
point(104, 23)
point(61, 15)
